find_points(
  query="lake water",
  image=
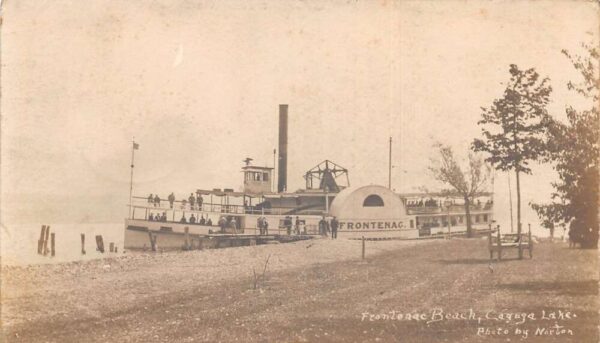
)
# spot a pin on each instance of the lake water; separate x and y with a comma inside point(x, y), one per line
point(18, 243)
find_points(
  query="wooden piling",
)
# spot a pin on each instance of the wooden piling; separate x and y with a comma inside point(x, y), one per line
point(52, 244)
point(47, 234)
point(499, 244)
point(83, 244)
point(99, 243)
point(41, 240)
point(363, 247)
point(187, 238)
point(152, 241)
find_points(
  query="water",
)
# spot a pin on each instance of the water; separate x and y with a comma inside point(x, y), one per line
point(18, 243)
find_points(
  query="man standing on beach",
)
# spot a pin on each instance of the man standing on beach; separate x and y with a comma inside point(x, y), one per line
point(334, 227)
point(323, 226)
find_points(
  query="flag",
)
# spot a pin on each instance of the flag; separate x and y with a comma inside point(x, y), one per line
point(136, 146)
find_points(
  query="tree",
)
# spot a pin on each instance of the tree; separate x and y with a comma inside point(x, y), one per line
point(550, 215)
point(513, 126)
point(468, 184)
point(573, 148)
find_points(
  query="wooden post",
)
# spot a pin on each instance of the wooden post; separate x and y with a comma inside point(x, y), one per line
point(530, 242)
point(41, 240)
point(152, 241)
point(111, 247)
point(83, 244)
point(490, 243)
point(187, 238)
point(363, 247)
point(520, 240)
point(52, 244)
point(499, 244)
point(99, 243)
point(46, 240)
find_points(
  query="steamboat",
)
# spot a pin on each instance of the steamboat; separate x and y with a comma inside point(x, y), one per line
point(213, 218)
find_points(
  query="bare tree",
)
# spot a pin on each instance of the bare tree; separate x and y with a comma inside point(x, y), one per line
point(468, 183)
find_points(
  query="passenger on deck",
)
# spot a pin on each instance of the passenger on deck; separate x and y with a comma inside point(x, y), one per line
point(287, 222)
point(163, 218)
point(266, 226)
point(171, 199)
point(183, 204)
point(150, 198)
point(191, 199)
point(209, 222)
point(156, 201)
point(233, 224)
point(223, 224)
point(297, 226)
point(192, 219)
point(259, 225)
point(202, 220)
point(199, 200)
point(151, 217)
point(183, 220)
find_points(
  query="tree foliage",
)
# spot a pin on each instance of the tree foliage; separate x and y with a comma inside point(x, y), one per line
point(513, 126)
point(573, 148)
point(468, 183)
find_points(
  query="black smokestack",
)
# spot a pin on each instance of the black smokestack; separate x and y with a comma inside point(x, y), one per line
point(283, 139)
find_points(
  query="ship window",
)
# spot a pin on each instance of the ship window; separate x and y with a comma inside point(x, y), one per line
point(373, 200)
point(265, 176)
point(485, 218)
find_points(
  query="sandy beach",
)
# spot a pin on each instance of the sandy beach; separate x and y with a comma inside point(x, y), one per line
point(313, 291)
point(90, 289)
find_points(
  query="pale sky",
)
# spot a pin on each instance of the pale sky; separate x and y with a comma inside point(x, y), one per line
point(199, 83)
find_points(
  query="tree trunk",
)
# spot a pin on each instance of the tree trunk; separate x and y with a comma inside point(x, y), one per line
point(518, 204)
point(468, 215)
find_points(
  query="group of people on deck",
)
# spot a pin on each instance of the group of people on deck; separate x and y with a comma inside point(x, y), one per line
point(158, 217)
point(263, 225)
point(231, 222)
point(153, 200)
point(194, 220)
point(195, 201)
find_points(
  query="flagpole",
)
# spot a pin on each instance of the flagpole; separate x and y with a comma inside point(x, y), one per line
point(131, 179)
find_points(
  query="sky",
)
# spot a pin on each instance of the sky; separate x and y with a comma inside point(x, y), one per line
point(198, 84)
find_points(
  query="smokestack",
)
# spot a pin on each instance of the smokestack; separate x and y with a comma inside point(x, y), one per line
point(283, 142)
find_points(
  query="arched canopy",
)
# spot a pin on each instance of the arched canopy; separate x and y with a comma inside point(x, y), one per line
point(367, 202)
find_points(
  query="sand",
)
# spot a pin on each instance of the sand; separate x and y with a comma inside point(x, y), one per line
point(93, 288)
